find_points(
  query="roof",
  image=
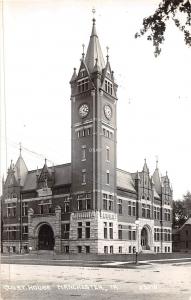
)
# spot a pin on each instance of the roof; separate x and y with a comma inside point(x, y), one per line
point(157, 181)
point(94, 51)
point(20, 170)
point(188, 222)
point(62, 176)
point(125, 180)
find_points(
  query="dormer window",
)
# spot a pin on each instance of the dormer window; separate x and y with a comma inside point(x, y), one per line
point(82, 85)
point(108, 87)
point(82, 73)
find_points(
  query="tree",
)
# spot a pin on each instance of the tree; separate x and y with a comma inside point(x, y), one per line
point(181, 210)
point(178, 213)
point(187, 204)
point(179, 11)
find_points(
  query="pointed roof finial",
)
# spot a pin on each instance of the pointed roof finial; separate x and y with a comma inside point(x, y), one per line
point(83, 54)
point(157, 161)
point(93, 12)
point(107, 56)
point(37, 171)
point(45, 160)
point(94, 21)
point(20, 148)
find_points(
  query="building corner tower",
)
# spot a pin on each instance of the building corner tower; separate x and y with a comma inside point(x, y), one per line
point(93, 125)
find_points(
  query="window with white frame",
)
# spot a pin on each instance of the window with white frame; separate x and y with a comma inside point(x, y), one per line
point(84, 176)
point(111, 230)
point(82, 85)
point(105, 201)
point(66, 231)
point(83, 152)
point(66, 204)
point(11, 209)
point(25, 209)
point(105, 230)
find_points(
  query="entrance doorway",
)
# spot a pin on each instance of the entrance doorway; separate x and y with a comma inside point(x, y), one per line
point(144, 239)
point(45, 238)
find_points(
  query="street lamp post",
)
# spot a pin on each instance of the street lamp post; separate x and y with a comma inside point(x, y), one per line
point(137, 237)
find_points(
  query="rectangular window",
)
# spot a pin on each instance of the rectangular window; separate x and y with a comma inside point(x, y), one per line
point(25, 209)
point(66, 231)
point(105, 201)
point(120, 249)
point(155, 213)
point(41, 207)
point(107, 177)
point(25, 229)
point(83, 132)
point(87, 249)
point(88, 199)
point(79, 230)
point(66, 249)
point(108, 87)
point(120, 209)
point(130, 235)
point(158, 213)
point(89, 131)
point(111, 230)
point(105, 230)
point(80, 204)
point(79, 249)
point(66, 204)
point(111, 249)
point(148, 211)
point(82, 85)
point(134, 209)
point(83, 176)
point(107, 154)
point(83, 153)
point(87, 230)
point(110, 202)
point(143, 211)
point(120, 237)
point(11, 209)
point(105, 249)
point(129, 208)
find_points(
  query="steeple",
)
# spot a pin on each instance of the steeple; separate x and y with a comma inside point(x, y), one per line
point(21, 170)
point(157, 179)
point(94, 51)
point(145, 167)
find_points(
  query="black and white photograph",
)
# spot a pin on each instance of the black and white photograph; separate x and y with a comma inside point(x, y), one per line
point(95, 149)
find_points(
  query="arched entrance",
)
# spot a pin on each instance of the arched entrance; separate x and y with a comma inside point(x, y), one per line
point(45, 238)
point(145, 239)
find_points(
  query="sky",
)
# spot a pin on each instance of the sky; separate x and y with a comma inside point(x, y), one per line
point(43, 43)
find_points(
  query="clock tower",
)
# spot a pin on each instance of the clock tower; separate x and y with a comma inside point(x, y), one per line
point(93, 125)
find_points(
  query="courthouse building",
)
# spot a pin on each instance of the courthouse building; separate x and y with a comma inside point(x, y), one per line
point(88, 205)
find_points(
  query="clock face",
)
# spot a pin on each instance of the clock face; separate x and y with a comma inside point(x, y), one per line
point(108, 111)
point(83, 110)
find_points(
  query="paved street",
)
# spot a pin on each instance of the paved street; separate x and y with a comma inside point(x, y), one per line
point(170, 280)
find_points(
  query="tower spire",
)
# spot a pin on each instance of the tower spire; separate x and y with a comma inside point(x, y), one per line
point(83, 54)
point(94, 50)
point(107, 56)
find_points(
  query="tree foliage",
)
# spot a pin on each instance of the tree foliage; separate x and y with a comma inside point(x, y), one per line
point(181, 210)
point(155, 25)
